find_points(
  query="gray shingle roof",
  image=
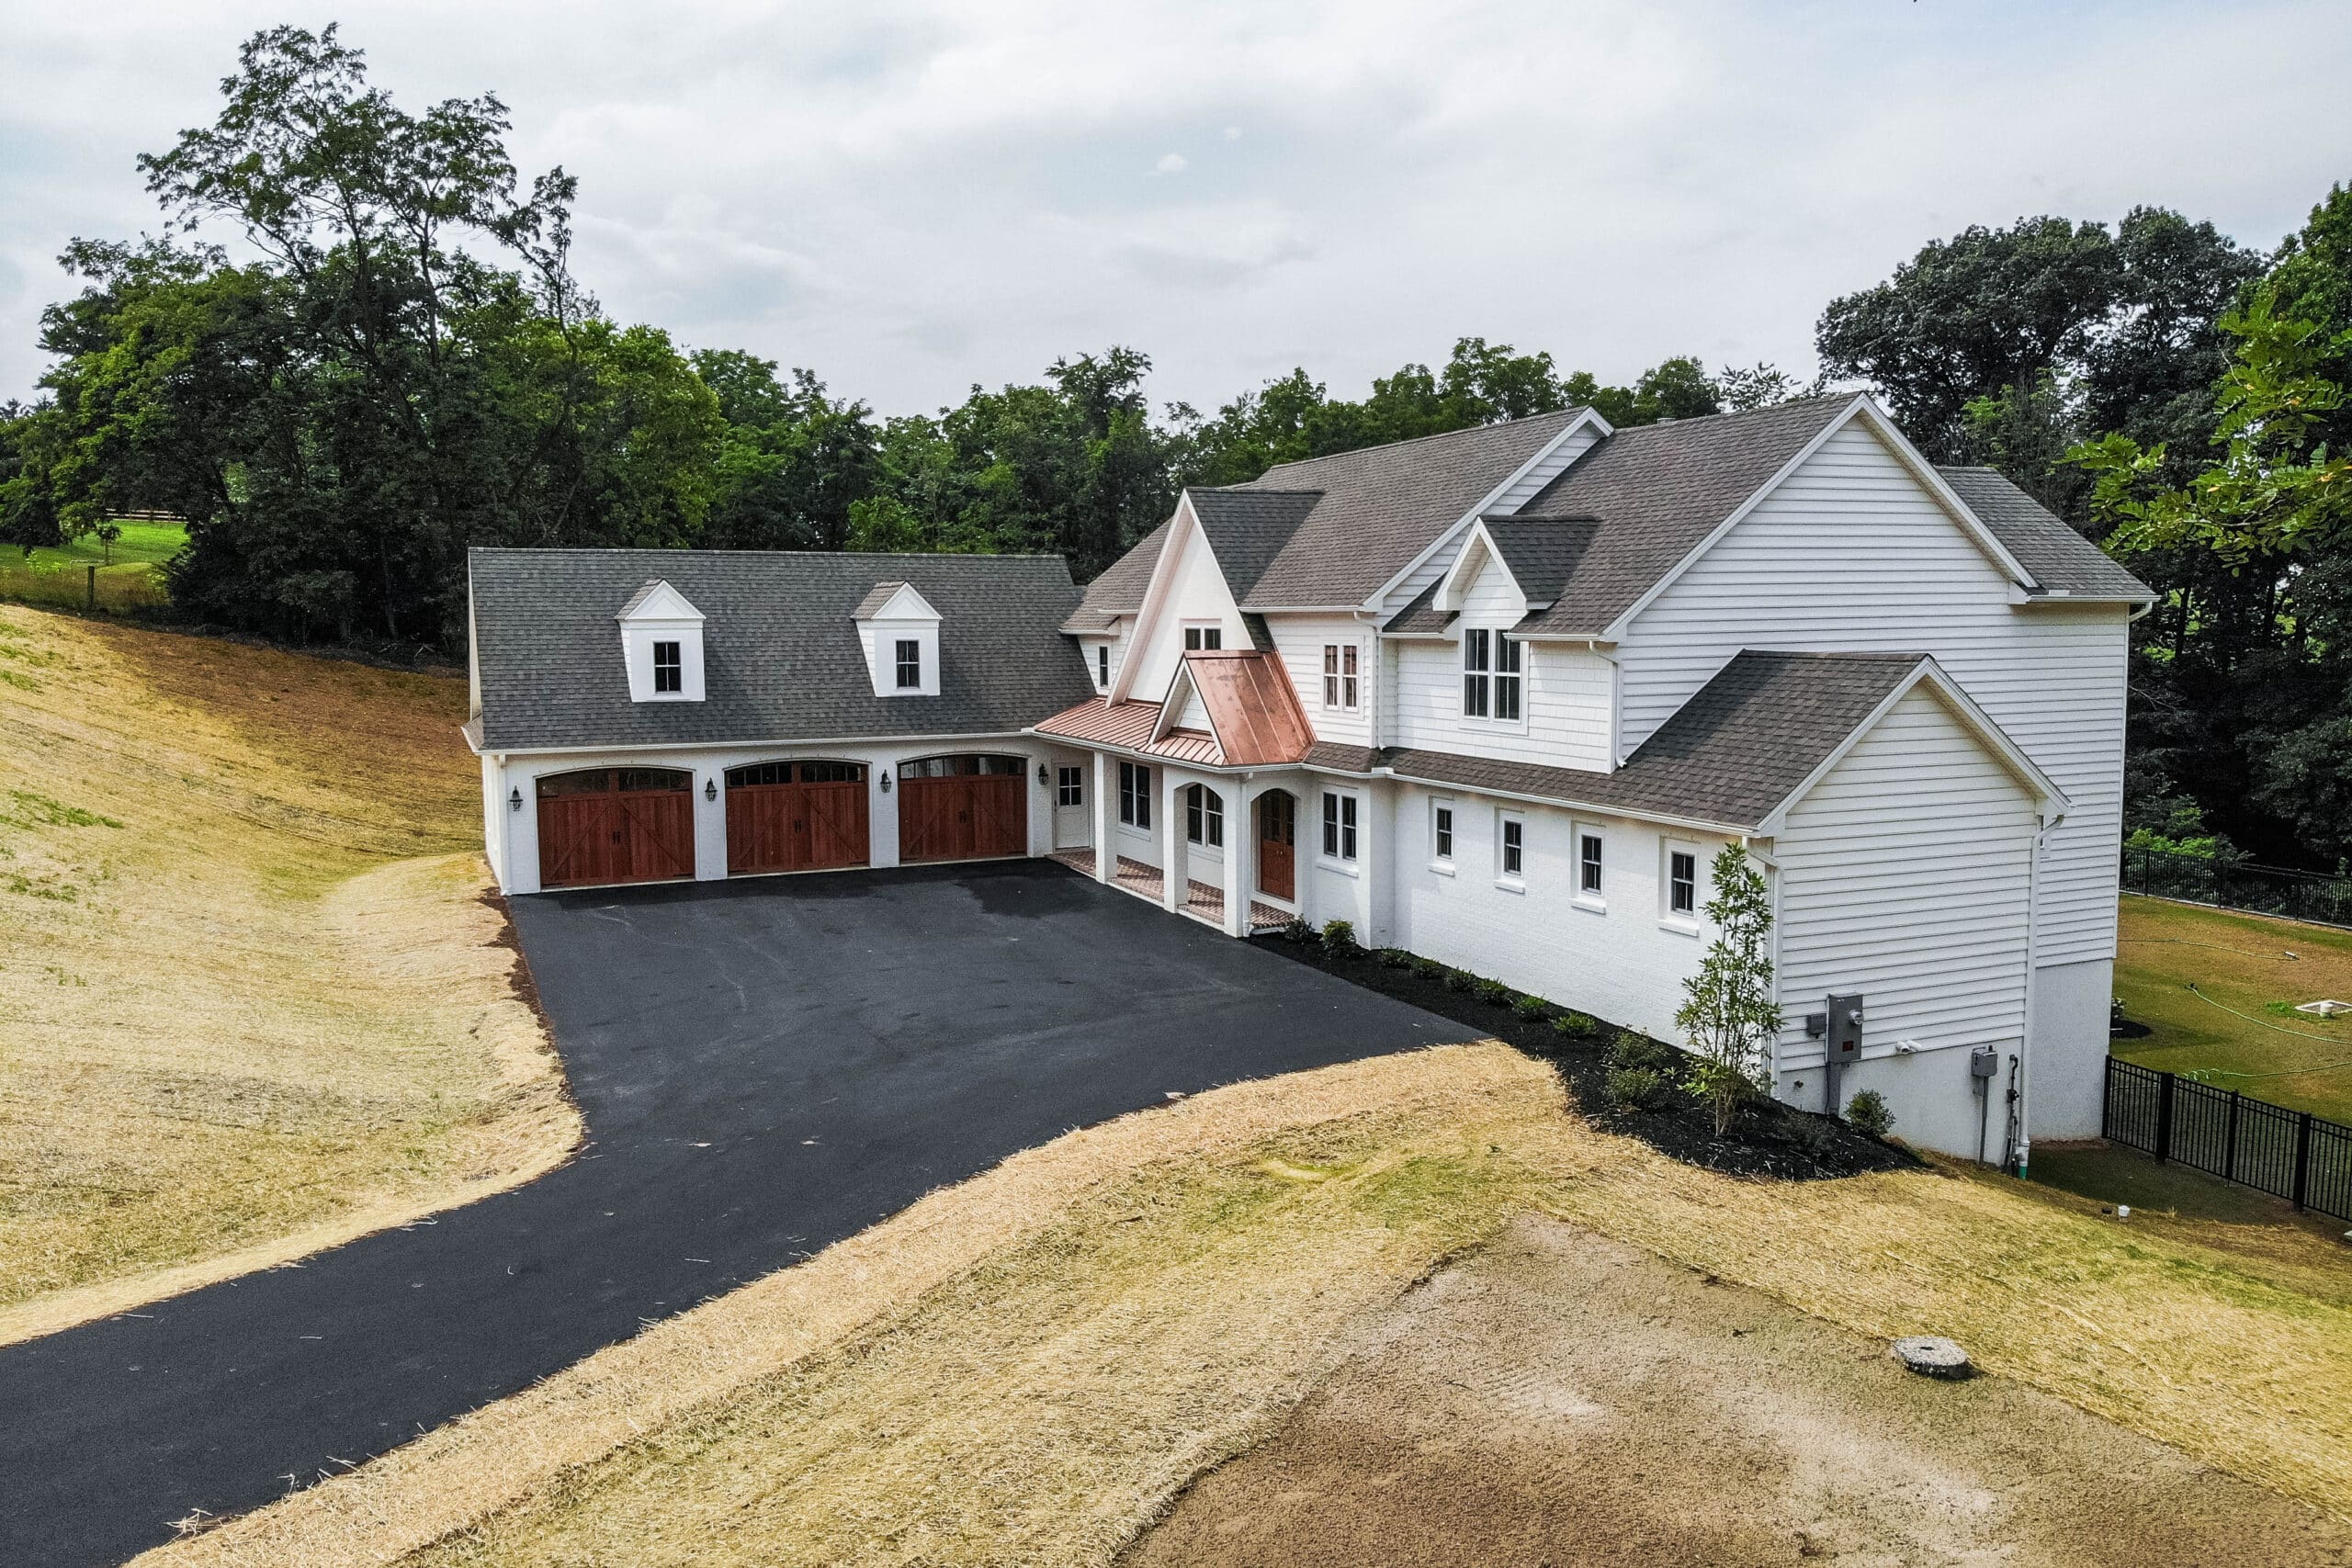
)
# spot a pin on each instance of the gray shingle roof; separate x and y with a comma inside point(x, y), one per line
point(2062, 561)
point(882, 593)
point(1248, 529)
point(1651, 494)
point(1383, 505)
point(1118, 589)
point(781, 655)
point(1730, 755)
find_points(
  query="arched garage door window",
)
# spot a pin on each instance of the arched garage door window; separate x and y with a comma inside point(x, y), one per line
point(795, 817)
point(605, 825)
point(963, 808)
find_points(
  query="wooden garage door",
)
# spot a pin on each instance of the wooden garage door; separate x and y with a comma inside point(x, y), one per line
point(795, 817)
point(606, 825)
point(963, 808)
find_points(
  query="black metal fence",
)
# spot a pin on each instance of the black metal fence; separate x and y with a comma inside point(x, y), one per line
point(2290, 1153)
point(2263, 889)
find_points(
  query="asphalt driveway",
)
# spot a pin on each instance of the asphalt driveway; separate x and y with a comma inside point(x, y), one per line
point(764, 1068)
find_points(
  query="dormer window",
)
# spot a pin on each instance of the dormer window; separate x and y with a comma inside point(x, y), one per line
point(909, 664)
point(899, 630)
point(669, 667)
point(661, 646)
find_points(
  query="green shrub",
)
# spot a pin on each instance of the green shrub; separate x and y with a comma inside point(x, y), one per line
point(1530, 1007)
point(1494, 993)
point(1815, 1135)
point(1631, 1050)
point(1455, 981)
point(1429, 969)
point(1297, 929)
point(1867, 1113)
point(1395, 958)
point(1574, 1024)
point(1641, 1089)
point(1339, 938)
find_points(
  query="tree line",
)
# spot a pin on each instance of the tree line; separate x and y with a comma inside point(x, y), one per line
point(399, 362)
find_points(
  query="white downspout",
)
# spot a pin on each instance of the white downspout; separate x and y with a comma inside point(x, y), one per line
point(2025, 1039)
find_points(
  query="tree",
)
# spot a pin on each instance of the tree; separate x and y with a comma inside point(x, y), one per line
point(1727, 1013)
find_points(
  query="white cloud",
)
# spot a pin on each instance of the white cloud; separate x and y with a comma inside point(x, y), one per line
point(914, 195)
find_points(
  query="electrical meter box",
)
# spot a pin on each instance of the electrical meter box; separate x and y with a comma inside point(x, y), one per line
point(1984, 1061)
point(1843, 1036)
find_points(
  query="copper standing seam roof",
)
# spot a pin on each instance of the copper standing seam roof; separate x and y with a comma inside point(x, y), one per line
point(1254, 717)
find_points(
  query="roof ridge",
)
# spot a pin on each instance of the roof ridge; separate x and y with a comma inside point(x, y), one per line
point(693, 551)
point(1680, 421)
point(1417, 440)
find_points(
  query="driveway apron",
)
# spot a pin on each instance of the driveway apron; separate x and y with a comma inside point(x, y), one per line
point(764, 1068)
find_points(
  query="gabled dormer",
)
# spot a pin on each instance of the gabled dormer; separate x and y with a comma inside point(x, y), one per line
point(662, 645)
point(899, 632)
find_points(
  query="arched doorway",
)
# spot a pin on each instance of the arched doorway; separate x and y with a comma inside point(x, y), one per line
point(1277, 812)
point(795, 817)
point(605, 825)
point(963, 807)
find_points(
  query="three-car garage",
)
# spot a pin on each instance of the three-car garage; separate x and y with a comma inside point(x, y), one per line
point(599, 826)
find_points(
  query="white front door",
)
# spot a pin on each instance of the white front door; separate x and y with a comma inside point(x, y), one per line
point(1073, 813)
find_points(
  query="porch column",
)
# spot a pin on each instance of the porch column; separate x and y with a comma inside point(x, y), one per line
point(1172, 829)
point(1237, 840)
point(1106, 854)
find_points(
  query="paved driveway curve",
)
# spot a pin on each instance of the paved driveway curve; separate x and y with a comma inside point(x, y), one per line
point(765, 1068)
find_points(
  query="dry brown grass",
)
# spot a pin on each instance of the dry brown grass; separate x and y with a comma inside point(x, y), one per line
point(256, 1004)
point(1027, 1366)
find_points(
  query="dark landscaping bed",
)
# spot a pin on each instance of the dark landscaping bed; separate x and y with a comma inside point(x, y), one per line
point(1770, 1139)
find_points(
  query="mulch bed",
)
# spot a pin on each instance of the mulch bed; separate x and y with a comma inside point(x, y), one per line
point(1768, 1140)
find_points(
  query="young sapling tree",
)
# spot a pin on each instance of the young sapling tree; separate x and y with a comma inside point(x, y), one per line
point(1728, 1012)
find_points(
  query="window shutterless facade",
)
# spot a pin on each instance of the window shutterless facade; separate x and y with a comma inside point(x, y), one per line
point(1682, 885)
point(1342, 689)
point(669, 669)
point(1205, 816)
point(1102, 664)
point(1510, 839)
point(1134, 795)
point(1477, 656)
point(1508, 654)
point(1199, 638)
point(910, 663)
point(1588, 863)
point(1442, 832)
point(1339, 826)
point(1069, 786)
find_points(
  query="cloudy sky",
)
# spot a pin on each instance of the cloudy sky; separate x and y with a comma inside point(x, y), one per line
point(912, 197)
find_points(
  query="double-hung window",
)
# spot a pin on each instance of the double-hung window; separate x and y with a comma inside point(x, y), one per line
point(1205, 816)
point(1510, 844)
point(1102, 665)
point(1134, 795)
point(1681, 885)
point(1477, 659)
point(1339, 826)
point(1507, 677)
point(669, 669)
point(910, 663)
point(1069, 786)
point(1341, 689)
point(1442, 832)
point(1199, 638)
point(1588, 863)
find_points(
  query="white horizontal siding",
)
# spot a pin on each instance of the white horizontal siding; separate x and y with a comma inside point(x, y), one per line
point(1851, 554)
point(1565, 695)
point(1300, 642)
point(1904, 876)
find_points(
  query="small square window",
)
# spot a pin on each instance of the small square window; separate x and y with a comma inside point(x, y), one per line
point(910, 663)
point(1588, 864)
point(1069, 786)
point(1682, 885)
point(1441, 823)
point(1513, 840)
point(669, 667)
point(1197, 638)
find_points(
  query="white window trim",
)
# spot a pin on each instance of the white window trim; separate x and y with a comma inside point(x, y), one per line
point(1442, 856)
point(1130, 798)
point(1184, 644)
point(1335, 679)
point(899, 663)
point(1068, 780)
point(1101, 666)
point(1496, 635)
point(1196, 803)
point(1349, 820)
point(1596, 902)
point(1509, 881)
point(1683, 925)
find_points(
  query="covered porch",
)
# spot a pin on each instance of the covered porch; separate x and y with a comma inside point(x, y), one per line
point(1203, 901)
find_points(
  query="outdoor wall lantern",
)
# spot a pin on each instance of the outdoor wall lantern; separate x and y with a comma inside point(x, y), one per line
point(886, 781)
point(1041, 775)
point(514, 800)
point(710, 789)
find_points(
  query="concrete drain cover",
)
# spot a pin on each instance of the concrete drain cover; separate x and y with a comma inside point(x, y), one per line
point(2329, 1007)
point(1932, 1356)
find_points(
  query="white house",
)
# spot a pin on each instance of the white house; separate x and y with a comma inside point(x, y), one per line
point(1496, 696)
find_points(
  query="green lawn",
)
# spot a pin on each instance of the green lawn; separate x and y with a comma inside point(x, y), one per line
point(130, 574)
point(2238, 1028)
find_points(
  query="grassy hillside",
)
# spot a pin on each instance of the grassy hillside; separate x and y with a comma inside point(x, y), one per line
point(129, 569)
point(1028, 1367)
point(2238, 1029)
point(256, 1003)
